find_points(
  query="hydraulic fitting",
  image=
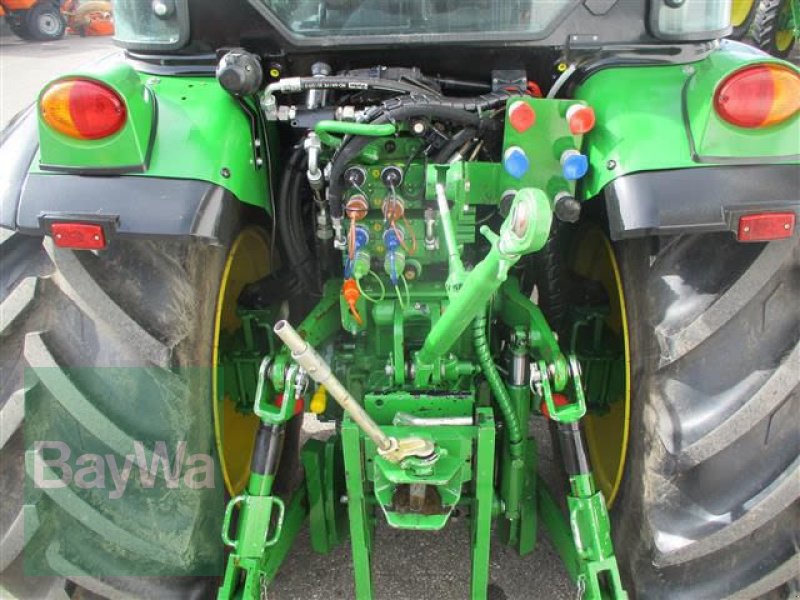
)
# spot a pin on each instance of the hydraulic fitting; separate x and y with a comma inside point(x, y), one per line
point(431, 241)
point(316, 98)
point(313, 147)
point(395, 260)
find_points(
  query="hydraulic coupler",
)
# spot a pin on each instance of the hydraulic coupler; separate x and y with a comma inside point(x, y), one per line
point(598, 573)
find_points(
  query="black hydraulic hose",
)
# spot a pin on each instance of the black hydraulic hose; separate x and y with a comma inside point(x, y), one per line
point(497, 386)
point(290, 221)
point(455, 143)
point(294, 85)
point(437, 107)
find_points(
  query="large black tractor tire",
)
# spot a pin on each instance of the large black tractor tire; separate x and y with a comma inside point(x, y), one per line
point(708, 507)
point(137, 304)
point(768, 33)
point(45, 22)
point(19, 26)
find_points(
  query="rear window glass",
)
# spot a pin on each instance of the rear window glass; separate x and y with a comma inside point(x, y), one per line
point(315, 18)
point(136, 23)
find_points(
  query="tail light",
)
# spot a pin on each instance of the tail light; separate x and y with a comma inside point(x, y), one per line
point(758, 96)
point(82, 109)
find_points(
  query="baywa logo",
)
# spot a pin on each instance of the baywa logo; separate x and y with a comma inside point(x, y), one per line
point(56, 466)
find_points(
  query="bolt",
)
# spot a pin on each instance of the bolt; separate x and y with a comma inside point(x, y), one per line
point(389, 370)
point(225, 172)
point(611, 165)
point(418, 128)
point(343, 499)
point(786, 226)
point(259, 161)
point(746, 229)
point(257, 143)
point(417, 305)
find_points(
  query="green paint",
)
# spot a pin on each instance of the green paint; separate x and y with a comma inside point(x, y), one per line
point(351, 128)
point(485, 279)
point(640, 119)
point(482, 509)
point(324, 480)
point(359, 512)
point(201, 133)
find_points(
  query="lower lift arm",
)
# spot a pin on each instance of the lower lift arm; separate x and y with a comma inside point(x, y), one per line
point(598, 573)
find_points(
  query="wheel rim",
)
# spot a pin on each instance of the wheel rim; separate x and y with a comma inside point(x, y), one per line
point(48, 24)
point(784, 40)
point(740, 9)
point(784, 37)
point(607, 434)
point(233, 430)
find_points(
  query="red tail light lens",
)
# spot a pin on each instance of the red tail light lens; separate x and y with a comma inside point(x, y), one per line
point(82, 109)
point(758, 96)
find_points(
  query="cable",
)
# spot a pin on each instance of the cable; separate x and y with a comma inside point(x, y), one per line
point(366, 296)
point(399, 296)
point(408, 292)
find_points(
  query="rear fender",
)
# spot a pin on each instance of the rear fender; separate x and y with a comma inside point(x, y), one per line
point(181, 127)
point(658, 118)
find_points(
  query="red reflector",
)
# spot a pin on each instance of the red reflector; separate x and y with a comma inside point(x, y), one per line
point(80, 236)
point(764, 227)
point(521, 116)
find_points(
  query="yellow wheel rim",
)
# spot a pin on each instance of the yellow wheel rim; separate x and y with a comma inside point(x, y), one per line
point(784, 40)
point(739, 11)
point(234, 431)
point(607, 434)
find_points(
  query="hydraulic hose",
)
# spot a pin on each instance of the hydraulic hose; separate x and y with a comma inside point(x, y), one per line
point(290, 221)
point(497, 386)
point(350, 128)
point(444, 109)
point(454, 145)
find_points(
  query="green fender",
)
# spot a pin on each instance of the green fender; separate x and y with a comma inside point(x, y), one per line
point(178, 127)
point(655, 118)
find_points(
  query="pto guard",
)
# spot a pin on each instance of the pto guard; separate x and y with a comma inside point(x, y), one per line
point(126, 151)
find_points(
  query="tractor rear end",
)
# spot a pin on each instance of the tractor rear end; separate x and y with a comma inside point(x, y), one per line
point(431, 240)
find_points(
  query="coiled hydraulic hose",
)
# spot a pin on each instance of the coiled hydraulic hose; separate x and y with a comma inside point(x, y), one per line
point(497, 386)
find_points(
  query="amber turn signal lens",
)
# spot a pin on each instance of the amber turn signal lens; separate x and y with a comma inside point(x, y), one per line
point(82, 109)
point(758, 96)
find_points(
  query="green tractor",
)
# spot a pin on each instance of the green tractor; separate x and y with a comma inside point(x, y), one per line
point(455, 232)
